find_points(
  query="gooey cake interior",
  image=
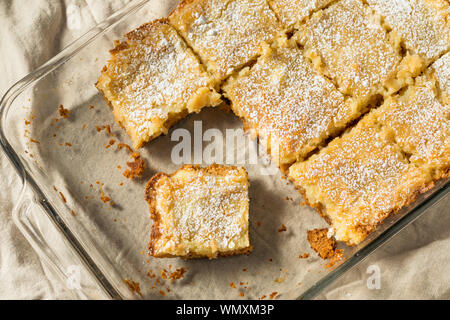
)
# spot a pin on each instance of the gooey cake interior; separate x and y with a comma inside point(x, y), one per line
point(351, 98)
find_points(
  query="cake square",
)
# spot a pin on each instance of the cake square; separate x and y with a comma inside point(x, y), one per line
point(290, 106)
point(225, 34)
point(199, 212)
point(291, 13)
point(424, 25)
point(420, 125)
point(152, 80)
point(347, 44)
point(358, 180)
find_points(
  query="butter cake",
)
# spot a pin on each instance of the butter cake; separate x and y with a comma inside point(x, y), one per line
point(199, 212)
point(296, 94)
point(152, 80)
point(420, 125)
point(291, 13)
point(346, 43)
point(225, 34)
point(290, 106)
point(358, 180)
point(424, 25)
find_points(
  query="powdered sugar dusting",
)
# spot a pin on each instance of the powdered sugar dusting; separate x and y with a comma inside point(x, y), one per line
point(423, 24)
point(291, 12)
point(420, 124)
point(359, 178)
point(353, 46)
point(441, 70)
point(206, 209)
point(153, 75)
point(287, 101)
point(226, 34)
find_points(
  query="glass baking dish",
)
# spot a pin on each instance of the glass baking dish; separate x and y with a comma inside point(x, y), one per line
point(99, 249)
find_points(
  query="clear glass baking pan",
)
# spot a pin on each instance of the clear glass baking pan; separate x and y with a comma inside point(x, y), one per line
point(99, 249)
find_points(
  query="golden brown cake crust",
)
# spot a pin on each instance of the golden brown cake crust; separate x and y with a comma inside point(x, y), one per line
point(320, 242)
point(150, 196)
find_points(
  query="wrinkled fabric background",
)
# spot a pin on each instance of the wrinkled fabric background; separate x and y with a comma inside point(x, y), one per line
point(413, 265)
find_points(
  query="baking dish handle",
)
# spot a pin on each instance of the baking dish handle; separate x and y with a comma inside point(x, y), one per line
point(54, 250)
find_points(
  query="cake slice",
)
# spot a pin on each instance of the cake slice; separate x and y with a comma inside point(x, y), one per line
point(358, 180)
point(199, 212)
point(424, 25)
point(346, 43)
point(225, 34)
point(420, 125)
point(287, 104)
point(152, 80)
point(292, 13)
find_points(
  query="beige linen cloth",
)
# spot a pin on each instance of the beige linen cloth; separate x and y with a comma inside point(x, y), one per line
point(412, 265)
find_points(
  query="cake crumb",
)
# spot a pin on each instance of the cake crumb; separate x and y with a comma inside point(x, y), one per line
point(232, 285)
point(63, 197)
point(325, 246)
point(110, 143)
point(338, 255)
point(107, 128)
point(103, 197)
point(136, 167)
point(177, 274)
point(133, 285)
point(319, 242)
point(64, 113)
point(280, 280)
point(122, 145)
point(273, 295)
point(282, 229)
